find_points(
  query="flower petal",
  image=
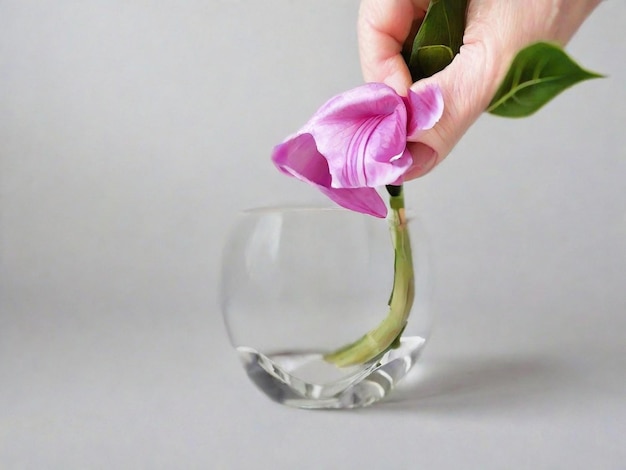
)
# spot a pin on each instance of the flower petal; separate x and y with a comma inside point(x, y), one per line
point(357, 141)
point(362, 133)
point(299, 157)
point(364, 200)
point(370, 99)
point(424, 108)
point(400, 167)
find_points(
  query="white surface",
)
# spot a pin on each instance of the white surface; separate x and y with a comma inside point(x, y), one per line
point(130, 132)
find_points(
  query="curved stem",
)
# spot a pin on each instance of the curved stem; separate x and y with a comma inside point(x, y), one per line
point(387, 334)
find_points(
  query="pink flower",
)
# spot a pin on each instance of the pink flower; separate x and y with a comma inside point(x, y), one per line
point(357, 142)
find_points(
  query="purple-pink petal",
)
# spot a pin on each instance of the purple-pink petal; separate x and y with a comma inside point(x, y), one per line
point(424, 109)
point(357, 141)
point(364, 200)
point(362, 133)
point(299, 157)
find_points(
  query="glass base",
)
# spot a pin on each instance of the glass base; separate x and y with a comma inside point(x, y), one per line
point(305, 380)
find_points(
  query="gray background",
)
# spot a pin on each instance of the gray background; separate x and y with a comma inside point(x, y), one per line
point(130, 134)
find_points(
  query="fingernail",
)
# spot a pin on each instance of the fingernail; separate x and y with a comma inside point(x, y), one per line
point(424, 160)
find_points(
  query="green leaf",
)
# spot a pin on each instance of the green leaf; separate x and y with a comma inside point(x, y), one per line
point(538, 73)
point(432, 59)
point(438, 39)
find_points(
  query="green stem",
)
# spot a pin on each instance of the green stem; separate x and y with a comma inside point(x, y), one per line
point(386, 335)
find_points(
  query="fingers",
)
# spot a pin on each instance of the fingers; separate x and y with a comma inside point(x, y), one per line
point(495, 31)
point(383, 27)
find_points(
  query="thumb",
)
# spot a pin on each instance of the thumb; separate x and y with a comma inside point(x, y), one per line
point(467, 86)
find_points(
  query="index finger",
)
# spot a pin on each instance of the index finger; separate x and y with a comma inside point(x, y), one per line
point(383, 28)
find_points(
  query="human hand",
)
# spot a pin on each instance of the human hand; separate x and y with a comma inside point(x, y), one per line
point(495, 31)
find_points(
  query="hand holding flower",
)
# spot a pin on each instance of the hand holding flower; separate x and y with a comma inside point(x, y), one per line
point(357, 141)
point(495, 31)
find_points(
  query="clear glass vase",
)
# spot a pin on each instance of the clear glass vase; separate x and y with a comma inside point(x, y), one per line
point(299, 284)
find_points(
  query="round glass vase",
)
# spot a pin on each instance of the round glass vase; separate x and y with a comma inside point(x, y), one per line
point(299, 285)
